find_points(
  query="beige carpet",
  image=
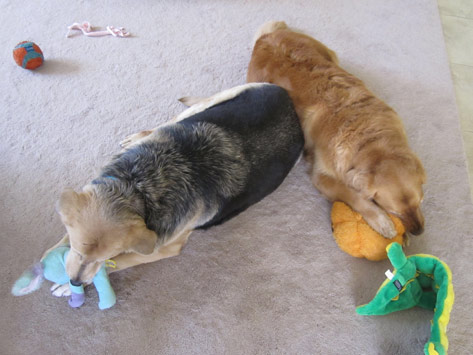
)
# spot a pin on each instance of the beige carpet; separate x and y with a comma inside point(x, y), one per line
point(272, 280)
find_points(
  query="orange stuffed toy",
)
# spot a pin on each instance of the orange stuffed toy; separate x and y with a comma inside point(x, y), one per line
point(355, 237)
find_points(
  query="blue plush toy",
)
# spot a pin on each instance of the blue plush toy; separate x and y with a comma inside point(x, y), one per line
point(53, 268)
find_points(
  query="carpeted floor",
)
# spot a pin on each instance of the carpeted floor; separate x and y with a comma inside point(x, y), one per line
point(272, 280)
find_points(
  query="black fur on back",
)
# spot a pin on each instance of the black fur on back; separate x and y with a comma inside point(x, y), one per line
point(215, 163)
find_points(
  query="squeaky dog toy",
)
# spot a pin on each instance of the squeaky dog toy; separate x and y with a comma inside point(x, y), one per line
point(355, 237)
point(418, 280)
point(53, 268)
point(28, 55)
point(86, 29)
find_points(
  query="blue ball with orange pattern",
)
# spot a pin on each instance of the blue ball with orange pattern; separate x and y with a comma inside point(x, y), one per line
point(28, 55)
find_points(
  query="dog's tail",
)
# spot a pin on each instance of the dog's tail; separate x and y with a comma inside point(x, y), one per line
point(269, 27)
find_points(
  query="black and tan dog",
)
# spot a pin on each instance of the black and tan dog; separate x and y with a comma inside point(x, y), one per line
point(207, 165)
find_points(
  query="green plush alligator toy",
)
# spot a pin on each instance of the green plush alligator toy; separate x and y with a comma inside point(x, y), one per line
point(418, 280)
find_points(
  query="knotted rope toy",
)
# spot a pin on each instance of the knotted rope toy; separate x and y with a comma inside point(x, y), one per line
point(86, 29)
point(417, 280)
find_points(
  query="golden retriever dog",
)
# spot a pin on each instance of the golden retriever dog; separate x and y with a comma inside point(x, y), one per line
point(355, 143)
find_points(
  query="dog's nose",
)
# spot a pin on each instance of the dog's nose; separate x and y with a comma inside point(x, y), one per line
point(413, 221)
point(414, 226)
point(417, 231)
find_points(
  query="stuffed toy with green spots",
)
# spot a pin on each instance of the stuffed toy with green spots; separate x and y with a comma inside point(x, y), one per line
point(418, 280)
point(53, 268)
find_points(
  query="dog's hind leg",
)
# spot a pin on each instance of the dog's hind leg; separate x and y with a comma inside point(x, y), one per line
point(173, 248)
point(191, 100)
point(134, 139)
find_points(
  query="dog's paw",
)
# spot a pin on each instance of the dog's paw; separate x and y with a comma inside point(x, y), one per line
point(382, 224)
point(58, 290)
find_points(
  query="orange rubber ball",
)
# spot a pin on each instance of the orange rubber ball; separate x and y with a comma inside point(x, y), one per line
point(28, 55)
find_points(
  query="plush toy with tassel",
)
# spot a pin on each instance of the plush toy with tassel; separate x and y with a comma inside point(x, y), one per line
point(53, 268)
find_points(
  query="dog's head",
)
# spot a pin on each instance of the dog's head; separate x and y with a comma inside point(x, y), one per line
point(395, 184)
point(98, 232)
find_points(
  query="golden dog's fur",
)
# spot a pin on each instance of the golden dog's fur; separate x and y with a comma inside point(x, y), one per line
point(355, 143)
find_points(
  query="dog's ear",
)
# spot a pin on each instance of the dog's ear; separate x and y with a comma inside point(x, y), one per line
point(70, 203)
point(420, 170)
point(143, 241)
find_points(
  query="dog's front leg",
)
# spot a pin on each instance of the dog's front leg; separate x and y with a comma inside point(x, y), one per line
point(59, 290)
point(173, 248)
point(374, 215)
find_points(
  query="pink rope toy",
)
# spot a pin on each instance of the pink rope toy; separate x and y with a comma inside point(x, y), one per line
point(86, 29)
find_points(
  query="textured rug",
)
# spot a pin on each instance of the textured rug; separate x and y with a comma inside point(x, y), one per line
point(272, 280)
